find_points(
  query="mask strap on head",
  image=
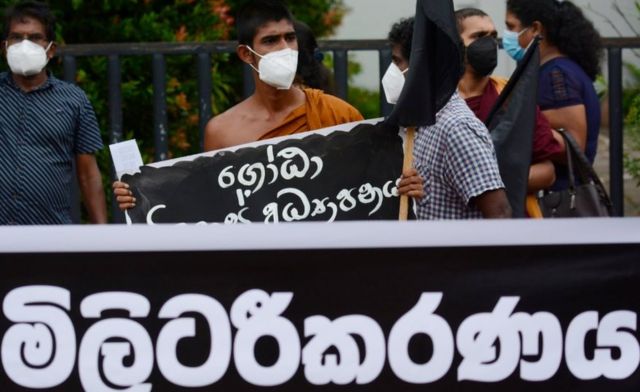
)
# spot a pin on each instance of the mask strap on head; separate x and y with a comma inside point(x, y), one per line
point(405, 71)
point(6, 45)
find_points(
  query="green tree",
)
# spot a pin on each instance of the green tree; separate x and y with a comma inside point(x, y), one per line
point(632, 131)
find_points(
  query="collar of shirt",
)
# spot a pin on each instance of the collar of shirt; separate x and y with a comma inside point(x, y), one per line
point(7, 79)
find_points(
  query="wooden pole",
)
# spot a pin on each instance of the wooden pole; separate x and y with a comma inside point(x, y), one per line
point(407, 164)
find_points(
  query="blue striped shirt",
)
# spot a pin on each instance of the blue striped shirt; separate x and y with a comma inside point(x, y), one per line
point(40, 134)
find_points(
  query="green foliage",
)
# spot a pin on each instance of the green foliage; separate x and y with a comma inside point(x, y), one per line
point(633, 90)
point(631, 107)
point(632, 160)
point(366, 101)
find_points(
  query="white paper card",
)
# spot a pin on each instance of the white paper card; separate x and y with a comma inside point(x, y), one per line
point(126, 157)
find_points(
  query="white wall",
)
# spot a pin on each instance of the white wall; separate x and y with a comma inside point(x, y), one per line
point(372, 19)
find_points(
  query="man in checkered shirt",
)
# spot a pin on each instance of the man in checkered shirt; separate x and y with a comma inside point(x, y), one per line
point(454, 157)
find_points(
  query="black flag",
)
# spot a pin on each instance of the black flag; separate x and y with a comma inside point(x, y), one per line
point(512, 122)
point(435, 66)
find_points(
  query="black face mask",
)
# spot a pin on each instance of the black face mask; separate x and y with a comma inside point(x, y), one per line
point(482, 55)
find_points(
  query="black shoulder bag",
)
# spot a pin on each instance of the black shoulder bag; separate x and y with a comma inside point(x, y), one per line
point(585, 199)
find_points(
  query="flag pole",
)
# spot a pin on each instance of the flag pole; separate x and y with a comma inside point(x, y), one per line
point(406, 165)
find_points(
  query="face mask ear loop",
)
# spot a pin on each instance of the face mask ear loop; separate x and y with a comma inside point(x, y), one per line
point(47, 49)
point(256, 53)
point(531, 42)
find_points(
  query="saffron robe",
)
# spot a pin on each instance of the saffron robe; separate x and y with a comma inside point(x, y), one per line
point(319, 111)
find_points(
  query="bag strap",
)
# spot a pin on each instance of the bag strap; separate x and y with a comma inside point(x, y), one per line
point(580, 161)
point(569, 151)
point(585, 169)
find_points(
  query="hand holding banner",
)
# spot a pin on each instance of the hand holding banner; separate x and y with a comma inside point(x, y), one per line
point(339, 176)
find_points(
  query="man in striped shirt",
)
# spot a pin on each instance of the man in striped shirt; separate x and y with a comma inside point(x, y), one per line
point(45, 124)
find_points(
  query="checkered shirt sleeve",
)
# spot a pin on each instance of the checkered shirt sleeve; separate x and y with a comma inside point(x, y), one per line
point(457, 160)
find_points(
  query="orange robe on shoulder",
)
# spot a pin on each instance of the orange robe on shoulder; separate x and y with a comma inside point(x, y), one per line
point(320, 111)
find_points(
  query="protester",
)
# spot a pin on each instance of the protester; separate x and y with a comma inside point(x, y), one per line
point(481, 91)
point(46, 125)
point(312, 73)
point(454, 157)
point(570, 53)
point(268, 43)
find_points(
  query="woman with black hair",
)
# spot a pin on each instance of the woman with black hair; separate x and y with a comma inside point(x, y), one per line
point(570, 53)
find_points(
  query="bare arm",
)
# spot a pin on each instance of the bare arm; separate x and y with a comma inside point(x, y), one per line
point(541, 176)
point(212, 139)
point(494, 204)
point(571, 118)
point(90, 182)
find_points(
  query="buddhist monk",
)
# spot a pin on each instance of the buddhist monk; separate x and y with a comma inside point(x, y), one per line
point(267, 42)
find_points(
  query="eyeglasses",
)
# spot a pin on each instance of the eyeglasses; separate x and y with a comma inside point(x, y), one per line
point(35, 38)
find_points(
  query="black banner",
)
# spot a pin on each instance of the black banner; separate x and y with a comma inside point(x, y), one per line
point(512, 122)
point(348, 318)
point(342, 176)
point(435, 65)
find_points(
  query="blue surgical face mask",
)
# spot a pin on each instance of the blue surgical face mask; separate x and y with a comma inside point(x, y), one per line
point(511, 44)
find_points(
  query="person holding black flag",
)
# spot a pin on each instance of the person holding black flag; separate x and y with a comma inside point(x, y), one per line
point(453, 152)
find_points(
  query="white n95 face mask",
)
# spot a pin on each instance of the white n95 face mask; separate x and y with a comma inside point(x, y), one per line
point(27, 58)
point(278, 69)
point(393, 82)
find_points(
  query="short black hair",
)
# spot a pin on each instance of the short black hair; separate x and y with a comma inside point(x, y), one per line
point(465, 13)
point(30, 9)
point(401, 34)
point(257, 13)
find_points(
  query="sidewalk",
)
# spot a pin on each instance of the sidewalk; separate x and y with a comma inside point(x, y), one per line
point(631, 189)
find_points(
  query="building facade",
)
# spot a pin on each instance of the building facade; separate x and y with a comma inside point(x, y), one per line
point(372, 19)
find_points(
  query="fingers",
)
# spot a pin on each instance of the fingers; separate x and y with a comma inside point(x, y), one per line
point(411, 184)
point(126, 206)
point(123, 195)
point(119, 184)
point(416, 180)
point(412, 190)
point(411, 172)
